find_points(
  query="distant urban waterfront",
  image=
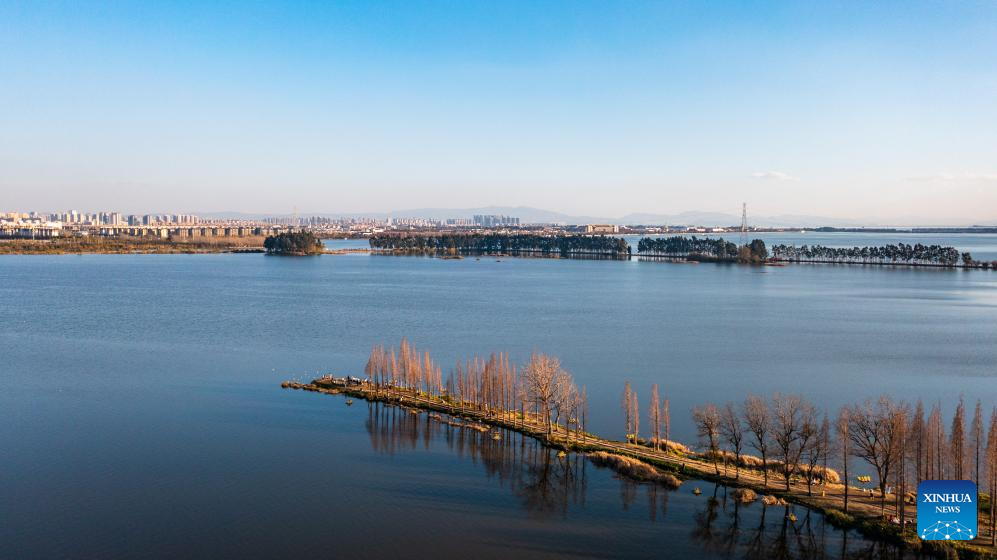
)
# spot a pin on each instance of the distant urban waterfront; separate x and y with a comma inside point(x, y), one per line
point(143, 416)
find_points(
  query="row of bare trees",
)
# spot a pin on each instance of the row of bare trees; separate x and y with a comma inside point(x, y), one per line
point(658, 415)
point(787, 432)
point(404, 368)
point(900, 443)
point(904, 447)
point(541, 390)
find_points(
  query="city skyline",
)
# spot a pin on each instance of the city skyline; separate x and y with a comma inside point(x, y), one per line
point(881, 114)
point(521, 214)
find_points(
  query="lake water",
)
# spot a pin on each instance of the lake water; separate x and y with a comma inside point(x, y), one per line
point(141, 413)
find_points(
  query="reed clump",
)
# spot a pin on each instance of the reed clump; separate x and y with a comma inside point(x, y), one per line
point(668, 446)
point(745, 495)
point(634, 468)
point(755, 463)
point(771, 500)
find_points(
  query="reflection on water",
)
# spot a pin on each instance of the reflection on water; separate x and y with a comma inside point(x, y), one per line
point(549, 484)
point(731, 529)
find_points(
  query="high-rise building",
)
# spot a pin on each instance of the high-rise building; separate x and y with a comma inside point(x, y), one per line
point(493, 220)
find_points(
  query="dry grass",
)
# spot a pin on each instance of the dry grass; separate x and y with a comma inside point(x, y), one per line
point(832, 475)
point(676, 447)
point(773, 501)
point(745, 495)
point(668, 446)
point(633, 468)
point(751, 462)
point(775, 467)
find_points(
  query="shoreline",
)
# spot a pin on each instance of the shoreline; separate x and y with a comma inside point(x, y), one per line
point(130, 246)
point(21, 247)
point(864, 509)
point(671, 259)
point(176, 251)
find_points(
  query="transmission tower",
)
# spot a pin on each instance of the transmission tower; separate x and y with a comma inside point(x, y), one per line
point(744, 224)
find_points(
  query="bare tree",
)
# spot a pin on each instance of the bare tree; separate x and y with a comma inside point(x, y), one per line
point(873, 433)
point(707, 419)
point(917, 442)
point(566, 403)
point(815, 446)
point(759, 422)
point(654, 416)
point(666, 419)
point(375, 367)
point(992, 474)
point(957, 443)
point(393, 369)
point(732, 431)
point(576, 410)
point(625, 403)
point(793, 425)
point(584, 411)
point(844, 440)
point(936, 446)
point(545, 382)
point(566, 399)
point(828, 444)
point(899, 426)
point(976, 439)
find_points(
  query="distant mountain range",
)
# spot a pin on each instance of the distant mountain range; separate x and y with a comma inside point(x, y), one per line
point(528, 215)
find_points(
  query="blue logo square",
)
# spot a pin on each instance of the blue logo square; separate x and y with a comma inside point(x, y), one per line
point(946, 510)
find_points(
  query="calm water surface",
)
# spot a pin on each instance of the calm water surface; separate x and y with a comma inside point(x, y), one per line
point(141, 414)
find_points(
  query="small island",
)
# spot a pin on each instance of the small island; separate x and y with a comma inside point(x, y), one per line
point(294, 243)
point(520, 245)
point(702, 249)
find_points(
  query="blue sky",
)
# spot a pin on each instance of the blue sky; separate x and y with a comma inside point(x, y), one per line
point(881, 111)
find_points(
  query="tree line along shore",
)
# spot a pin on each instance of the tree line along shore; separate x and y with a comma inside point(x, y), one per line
point(680, 247)
point(287, 243)
point(859, 465)
point(455, 245)
point(131, 245)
